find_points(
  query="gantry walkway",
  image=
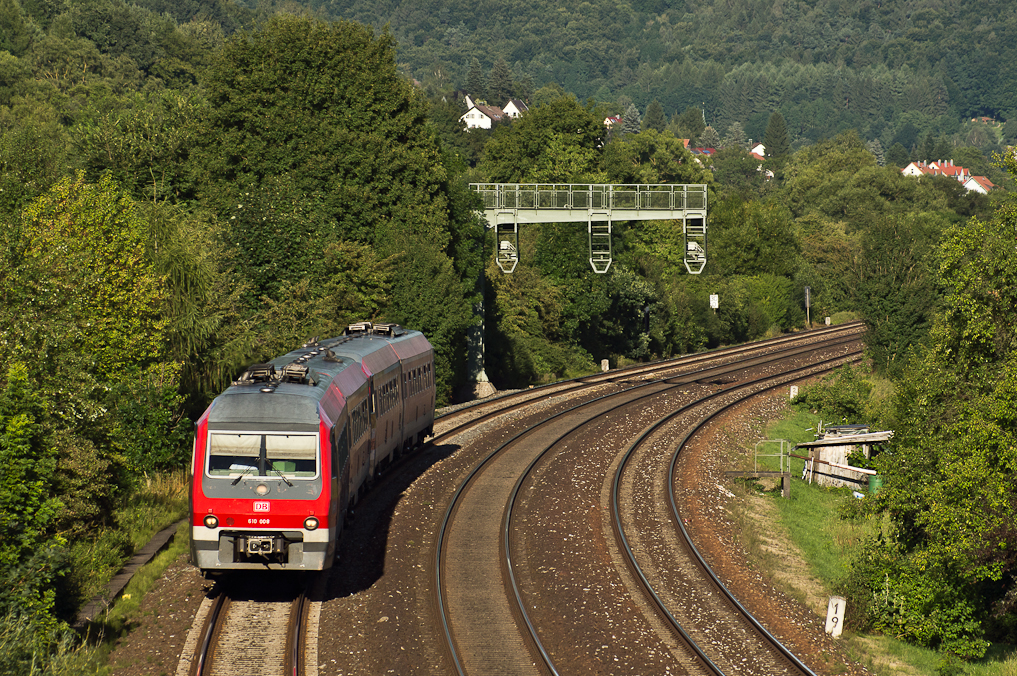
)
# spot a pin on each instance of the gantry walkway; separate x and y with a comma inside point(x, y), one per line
point(507, 205)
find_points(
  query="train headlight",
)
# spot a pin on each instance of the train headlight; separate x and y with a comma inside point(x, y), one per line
point(211, 521)
point(261, 489)
point(310, 523)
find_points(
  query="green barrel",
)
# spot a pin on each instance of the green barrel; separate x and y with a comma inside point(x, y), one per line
point(875, 483)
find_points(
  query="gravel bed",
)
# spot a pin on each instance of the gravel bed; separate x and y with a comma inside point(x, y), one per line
point(378, 615)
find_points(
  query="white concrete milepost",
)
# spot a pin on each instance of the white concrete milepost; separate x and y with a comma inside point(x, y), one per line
point(835, 616)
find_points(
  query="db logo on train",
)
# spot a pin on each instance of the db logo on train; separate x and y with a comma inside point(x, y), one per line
point(261, 505)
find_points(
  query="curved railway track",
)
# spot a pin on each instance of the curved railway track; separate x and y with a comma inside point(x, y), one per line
point(237, 641)
point(485, 410)
point(668, 588)
point(488, 627)
point(253, 628)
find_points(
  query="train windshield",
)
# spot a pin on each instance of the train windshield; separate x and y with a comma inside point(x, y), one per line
point(294, 456)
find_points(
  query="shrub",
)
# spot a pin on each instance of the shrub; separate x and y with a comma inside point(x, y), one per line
point(23, 652)
point(840, 396)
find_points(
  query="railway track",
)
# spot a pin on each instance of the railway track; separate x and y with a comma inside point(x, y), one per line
point(487, 600)
point(253, 626)
point(703, 366)
point(357, 579)
point(638, 496)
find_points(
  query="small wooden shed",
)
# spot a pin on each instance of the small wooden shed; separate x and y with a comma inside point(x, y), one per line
point(827, 456)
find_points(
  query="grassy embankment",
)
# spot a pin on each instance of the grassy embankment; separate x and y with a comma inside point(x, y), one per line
point(804, 546)
point(160, 502)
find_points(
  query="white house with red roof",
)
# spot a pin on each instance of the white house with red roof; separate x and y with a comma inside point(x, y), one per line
point(979, 184)
point(947, 168)
point(938, 168)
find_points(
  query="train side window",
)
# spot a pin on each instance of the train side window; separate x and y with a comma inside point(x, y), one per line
point(340, 448)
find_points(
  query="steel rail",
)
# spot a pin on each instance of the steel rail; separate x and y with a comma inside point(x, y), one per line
point(296, 642)
point(576, 386)
point(616, 490)
point(716, 580)
point(654, 367)
point(213, 626)
point(450, 511)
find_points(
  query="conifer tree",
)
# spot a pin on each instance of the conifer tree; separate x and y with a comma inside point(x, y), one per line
point(709, 138)
point(735, 136)
point(689, 124)
point(775, 138)
point(500, 87)
point(655, 118)
point(476, 84)
point(876, 148)
point(927, 150)
point(630, 120)
point(897, 156)
point(523, 84)
point(943, 150)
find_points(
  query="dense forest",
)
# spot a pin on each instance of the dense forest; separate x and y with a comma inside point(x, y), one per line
point(187, 188)
point(892, 71)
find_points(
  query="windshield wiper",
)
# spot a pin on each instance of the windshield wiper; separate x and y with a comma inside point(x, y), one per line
point(242, 475)
point(282, 476)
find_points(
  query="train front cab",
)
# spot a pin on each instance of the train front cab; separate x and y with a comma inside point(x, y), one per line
point(262, 498)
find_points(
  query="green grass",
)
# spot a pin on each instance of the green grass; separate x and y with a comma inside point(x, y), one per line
point(159, 502)
point(811, 517)
point(121, 618)
point(144, 580)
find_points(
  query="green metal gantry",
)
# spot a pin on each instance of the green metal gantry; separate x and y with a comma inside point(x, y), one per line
point(507, 205)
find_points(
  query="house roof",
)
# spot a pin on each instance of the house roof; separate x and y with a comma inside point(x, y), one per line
point(937, 168)
point(983, 181)
point(493, 112)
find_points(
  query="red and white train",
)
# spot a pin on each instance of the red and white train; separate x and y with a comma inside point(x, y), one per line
point(282, 454)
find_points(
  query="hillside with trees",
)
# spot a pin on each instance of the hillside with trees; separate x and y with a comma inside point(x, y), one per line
point(893, 71)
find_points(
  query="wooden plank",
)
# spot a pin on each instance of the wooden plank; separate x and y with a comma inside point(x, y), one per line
point(755, 475)
point(116, 586)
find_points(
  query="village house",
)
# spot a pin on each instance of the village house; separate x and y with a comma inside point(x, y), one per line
point(947, 168)
point(938, 168)
point(979, 184)
point(514, 108)
point(482, 116)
